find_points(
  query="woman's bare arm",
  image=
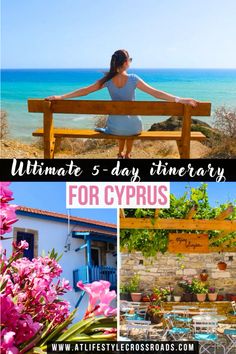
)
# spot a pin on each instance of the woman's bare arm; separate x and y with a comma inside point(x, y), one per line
point(77, 93)
point(164, 95)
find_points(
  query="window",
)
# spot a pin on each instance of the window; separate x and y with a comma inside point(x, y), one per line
point(96, 256)
point(30, 236)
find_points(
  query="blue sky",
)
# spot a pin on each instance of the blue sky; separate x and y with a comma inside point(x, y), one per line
point(52, 196)
point(84, 33)
point(217, 192)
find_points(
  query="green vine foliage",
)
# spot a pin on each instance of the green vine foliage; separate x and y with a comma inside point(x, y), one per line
point(150, 242)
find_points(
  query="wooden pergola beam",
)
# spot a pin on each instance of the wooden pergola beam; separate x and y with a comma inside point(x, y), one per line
point(191, 213)
point(222, 249)
point(156, 213)
point(224, 246)
point(178, 224)
point(225, 213)
point(219, 237)
point(228, 242)
point(122, 213)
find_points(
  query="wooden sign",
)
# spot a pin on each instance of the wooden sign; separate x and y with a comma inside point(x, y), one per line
point(188, 243)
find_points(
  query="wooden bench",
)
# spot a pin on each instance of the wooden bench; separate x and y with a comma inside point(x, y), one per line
point(146, 108)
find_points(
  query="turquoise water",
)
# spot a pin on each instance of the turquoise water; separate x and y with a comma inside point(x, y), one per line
point(215, 85)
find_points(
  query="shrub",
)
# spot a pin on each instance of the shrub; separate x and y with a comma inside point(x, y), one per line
point(4, 129)
point(223, 143)
point(225, 121)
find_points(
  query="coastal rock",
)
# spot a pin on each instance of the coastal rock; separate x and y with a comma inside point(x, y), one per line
point(175, 123)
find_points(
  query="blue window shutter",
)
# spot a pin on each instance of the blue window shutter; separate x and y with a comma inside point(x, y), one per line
point(28, 237)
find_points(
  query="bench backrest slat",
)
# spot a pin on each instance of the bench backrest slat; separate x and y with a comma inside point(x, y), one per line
point(147, 108)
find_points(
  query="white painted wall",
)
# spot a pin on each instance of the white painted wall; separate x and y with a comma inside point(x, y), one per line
point(53, 234)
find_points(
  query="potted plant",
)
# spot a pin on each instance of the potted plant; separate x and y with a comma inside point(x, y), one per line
point(220, 297)
point(169, 292)
point(204, 275)
point(186, 285)
point(125, 292)
point(145, 297)
point(177, 298)
point(135, 294)
point(200, 289)
point(222, 265)
point(154, 309)
point(165, 294)
point(154, 313)
point(212, 294)
point(177, 293)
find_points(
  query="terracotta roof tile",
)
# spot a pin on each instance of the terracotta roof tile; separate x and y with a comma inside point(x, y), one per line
point(64, 216)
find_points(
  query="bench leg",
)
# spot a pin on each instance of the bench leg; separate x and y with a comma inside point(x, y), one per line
point(186, 132)
point(49, 148)
point(179, 145)
point(49, 139)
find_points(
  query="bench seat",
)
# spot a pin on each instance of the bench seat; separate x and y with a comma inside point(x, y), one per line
point(150, 135)
point(51, 135)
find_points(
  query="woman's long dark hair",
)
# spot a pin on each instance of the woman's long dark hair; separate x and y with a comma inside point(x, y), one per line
point(117, 60)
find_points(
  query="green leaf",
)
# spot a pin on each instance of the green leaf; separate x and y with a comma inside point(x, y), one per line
point(38, 350)
point(59, 328)
point(150, 242)
point(3, 285)
point(77, 328)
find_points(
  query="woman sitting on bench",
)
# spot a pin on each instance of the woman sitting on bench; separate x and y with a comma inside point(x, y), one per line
point(121, 87)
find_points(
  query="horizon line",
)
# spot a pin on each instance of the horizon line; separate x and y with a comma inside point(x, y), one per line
point(139, 68)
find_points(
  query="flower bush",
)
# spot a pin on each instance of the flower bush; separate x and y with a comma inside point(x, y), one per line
point(168, 290)
point(212, 290)
point(159, 295)
point(132, 286)
point(199, 287)
point(186, 284)
point(32, 311)
point(7, 211)
point(154, 309)
point(193, 286)
point(30, 297)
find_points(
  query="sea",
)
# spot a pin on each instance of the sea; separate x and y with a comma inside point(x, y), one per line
point(18, 85)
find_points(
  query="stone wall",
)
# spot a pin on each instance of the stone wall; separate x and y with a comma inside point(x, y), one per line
point(164, 270)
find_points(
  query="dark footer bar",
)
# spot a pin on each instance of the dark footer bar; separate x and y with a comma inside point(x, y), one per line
point(124, 347)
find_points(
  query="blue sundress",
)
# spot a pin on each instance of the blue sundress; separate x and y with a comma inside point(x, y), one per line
point(123, 124)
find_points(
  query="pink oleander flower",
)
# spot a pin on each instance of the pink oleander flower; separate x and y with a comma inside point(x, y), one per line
point(27, 328)
point(8, 217)
point(35, 292)
point(65, 284)
point(9, 311)
point(3, 254)
point(5, 192)
point(100, 298)
point(16, 324)
point(7, 211)
point(7, 342)
point(22, 245)
point(110, 331)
